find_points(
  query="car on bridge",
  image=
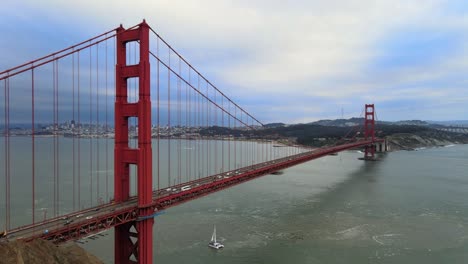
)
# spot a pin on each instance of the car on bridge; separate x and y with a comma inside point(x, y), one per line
point(186, 188)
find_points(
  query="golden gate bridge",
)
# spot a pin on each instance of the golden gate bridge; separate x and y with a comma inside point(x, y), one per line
point(119, 165)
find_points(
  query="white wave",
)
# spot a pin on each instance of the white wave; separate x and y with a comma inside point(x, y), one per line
point(384, 239)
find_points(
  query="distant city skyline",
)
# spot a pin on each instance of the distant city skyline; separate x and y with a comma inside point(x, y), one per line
point(293, 63)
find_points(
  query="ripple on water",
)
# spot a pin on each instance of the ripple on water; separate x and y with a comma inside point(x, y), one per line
point(387, 239)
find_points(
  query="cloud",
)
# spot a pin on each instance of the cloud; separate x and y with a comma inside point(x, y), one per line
point(335, 53)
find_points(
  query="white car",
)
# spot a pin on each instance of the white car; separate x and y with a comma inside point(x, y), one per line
point(89, 217)
point(185, 188)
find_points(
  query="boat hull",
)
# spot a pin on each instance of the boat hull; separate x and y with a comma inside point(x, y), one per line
point(216, 246)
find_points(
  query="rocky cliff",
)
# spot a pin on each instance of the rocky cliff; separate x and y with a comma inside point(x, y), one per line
point(407, 141)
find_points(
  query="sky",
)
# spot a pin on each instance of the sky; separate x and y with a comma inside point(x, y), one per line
point(283, 61)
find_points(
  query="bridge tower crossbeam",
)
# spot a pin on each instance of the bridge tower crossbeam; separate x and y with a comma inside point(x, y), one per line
point(134, 240)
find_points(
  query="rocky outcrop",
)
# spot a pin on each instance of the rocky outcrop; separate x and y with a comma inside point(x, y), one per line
point(407, 141)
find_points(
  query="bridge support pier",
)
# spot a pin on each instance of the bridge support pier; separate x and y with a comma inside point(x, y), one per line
point(134, 240)
point(369, 131)
point(382, 146)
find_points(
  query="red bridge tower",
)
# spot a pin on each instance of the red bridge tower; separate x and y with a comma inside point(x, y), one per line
point(369, 131)
point(134, 240)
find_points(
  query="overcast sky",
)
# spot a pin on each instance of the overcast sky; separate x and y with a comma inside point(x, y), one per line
point(286, 61)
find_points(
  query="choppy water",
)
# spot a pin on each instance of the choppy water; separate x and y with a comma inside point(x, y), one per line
point(411, 207)
point(79, 173)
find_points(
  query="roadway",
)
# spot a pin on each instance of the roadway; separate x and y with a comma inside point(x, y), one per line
point(92, 220)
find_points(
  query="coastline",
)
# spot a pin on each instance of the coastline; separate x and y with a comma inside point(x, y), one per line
point(414, 142)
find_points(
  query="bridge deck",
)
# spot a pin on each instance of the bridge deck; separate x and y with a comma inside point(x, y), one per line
point(93, 220)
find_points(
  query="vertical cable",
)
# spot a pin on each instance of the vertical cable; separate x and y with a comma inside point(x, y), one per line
point(79, 126)
point(262, 141)
point(215, 139)
point(242, 143)
point(57, 136)
point(207, 128)
point(189, 127)
point(7, 154)
point(199, 130)
point(248, 143)
point(97, 122)
point(169, 119)
point(186, 142)
point(54, 136)
point(107, 131)
point(230, 131)
point(252, 154)
point(235, 140)
point(254, 146)
point(73, 132)
point(33, 158)
point(90, 128)
point(158, 115)
point(179, 124)
point(222, 140)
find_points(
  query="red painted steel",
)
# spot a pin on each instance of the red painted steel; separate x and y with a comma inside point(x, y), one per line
point(126, 249)
point(145, 168)
point(369, 131)
point(121, 167)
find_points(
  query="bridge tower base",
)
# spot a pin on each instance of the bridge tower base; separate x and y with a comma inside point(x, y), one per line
point(369, 132)
point(133, 240)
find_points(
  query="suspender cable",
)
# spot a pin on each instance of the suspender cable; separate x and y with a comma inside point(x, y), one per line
point(229, 142)
point(169, 121)
point(107, 130)
point(186, 142)
point(90, 128)
point(73, 134)
point(54, 137)
point(97, 123)
point(216, 125)
point(179, 124)
point(206, 140)
point(222, 139)
point(199, 130)
point(170, 48)
point(57, 136)
point(7, 152)
point(189, 126)
point(33, 158)
point(79, 127)
point(158, 114)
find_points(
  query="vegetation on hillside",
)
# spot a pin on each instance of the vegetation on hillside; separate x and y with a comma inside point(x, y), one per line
point(402, 134)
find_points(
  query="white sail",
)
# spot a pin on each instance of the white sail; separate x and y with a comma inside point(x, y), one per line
point(213, 237)
point(213, 243)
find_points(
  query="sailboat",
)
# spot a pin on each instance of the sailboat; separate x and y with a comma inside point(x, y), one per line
point(213, 243)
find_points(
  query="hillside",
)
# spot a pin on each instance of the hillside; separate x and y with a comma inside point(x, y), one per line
point(407, 134)
point(41, 251)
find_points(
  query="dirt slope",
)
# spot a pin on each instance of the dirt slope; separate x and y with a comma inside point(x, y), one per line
point(40, 251)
